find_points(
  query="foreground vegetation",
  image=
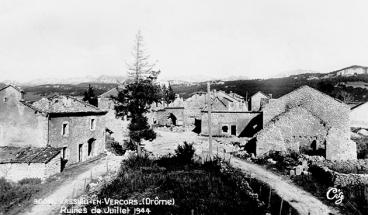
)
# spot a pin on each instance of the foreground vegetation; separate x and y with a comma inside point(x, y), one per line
point(200, 188)
point(15, 194)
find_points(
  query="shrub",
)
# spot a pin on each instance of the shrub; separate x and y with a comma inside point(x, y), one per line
point(29, 181)
point(117, 148)
point(129, 145)
point(184, 153)
point(135, 161)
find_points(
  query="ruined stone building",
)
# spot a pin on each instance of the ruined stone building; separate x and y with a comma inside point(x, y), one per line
point(257, 100)
point(306, 120)
point(61, 124)
point(229, 117)
point(221, 100)
point(231, 123)
point(117, 127)
point(359, 116)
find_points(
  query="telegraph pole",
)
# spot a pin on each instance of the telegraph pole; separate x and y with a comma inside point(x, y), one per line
point(209, 109)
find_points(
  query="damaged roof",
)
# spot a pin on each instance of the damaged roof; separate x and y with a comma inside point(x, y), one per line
point(114, 92)
point(65, 105)
point(10, 154)
point(13, 86)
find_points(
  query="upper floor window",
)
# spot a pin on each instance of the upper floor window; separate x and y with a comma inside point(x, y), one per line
point(65, 129)
point(92, 125)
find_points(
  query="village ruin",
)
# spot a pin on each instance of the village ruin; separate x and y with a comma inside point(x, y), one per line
point(54, 132)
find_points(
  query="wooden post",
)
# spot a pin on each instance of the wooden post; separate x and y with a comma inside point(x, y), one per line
point(209, 109)
point(282, 201)
point(85, 182)
point(269, 199)
point(107, 166)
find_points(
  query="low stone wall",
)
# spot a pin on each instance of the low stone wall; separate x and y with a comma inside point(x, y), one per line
point(322, 172)
point(18, 171)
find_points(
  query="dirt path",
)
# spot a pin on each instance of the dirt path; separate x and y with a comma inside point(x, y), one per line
point(74, 186)
point(301, 200)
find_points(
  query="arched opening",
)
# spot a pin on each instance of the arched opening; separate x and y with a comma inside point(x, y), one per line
point(173, 119)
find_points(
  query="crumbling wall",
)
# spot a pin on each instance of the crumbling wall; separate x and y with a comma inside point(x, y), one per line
point(162, 116)
point(293, 130)
point(192, 108)
point(19, 124)
point(255, 101)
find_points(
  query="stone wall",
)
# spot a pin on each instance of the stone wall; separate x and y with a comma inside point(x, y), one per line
point(53, 166)
point(255, 101)
point(18, 171)
point(79, 134)
point(242, 121)
point(192, 108)
point(337, 179)
point(19, 124)
point(294, 130)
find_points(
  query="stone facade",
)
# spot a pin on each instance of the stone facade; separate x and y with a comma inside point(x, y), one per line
point(306, 118)
point(20, 125)
point(80, 142)
point(232, 123)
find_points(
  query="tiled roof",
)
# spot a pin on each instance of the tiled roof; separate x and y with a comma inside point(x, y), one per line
point(65, 104)
point(10, 154)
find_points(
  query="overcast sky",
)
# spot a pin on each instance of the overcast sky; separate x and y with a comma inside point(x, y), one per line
point(189, 38)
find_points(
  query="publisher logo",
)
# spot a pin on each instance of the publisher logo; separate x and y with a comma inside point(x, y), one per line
point(335, 194)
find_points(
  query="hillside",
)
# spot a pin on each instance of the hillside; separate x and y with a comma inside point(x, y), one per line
point(333, 86)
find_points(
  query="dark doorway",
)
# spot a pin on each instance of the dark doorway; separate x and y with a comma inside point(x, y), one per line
point(64, 159)
point(233, 130)
point(314, 145)
point(197, 123)
point(90, 148)
point(173, 118)
point(80, 152)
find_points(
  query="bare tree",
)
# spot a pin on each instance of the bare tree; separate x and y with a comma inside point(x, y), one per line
point(141, 68)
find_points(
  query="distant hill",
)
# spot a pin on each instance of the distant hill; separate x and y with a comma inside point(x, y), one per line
point(329, 83)
point(107, 79)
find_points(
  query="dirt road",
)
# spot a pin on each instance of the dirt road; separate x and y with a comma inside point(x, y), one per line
point(301, 200)
point(74, 186)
